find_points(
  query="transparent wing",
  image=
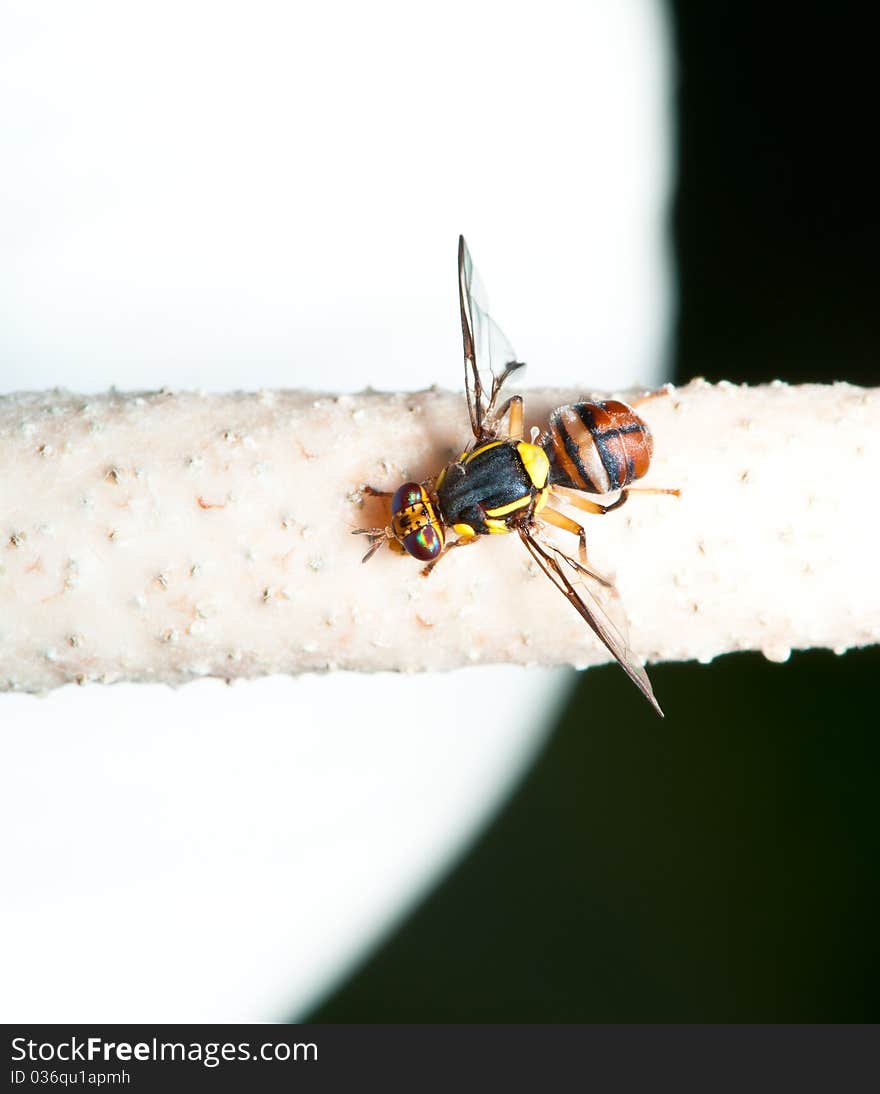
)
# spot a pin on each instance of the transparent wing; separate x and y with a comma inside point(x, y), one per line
point(489, 357)
point(554, 563)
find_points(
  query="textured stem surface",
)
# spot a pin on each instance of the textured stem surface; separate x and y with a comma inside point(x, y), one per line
point(174, 535)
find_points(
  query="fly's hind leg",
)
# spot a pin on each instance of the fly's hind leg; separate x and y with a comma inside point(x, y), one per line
point(673, 491)
point(576, 498)
point(647, 396)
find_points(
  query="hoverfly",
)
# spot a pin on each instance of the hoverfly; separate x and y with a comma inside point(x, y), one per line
point(502, 483)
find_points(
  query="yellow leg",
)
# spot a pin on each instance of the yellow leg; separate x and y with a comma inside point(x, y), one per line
point(580, 501)
point(515, 422)
point(514, 407)
point(652, 490)
point(560, 520)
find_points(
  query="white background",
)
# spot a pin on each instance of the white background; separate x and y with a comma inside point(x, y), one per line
point(269, 194)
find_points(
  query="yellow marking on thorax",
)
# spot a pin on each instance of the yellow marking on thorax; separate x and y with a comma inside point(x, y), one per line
point(511, 507)
point(521, 503)
point(466, 457)
point(535, 462)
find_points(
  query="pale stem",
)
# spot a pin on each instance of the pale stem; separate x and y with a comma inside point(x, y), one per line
point(168, 536)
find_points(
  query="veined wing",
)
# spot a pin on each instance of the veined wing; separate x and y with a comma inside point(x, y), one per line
point(489, 357)
point(554, 563)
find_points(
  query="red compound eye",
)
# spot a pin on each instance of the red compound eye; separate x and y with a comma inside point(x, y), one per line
point(424, 544)
point(405, 496)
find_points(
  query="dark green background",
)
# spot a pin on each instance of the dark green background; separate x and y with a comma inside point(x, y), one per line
point(721, 865)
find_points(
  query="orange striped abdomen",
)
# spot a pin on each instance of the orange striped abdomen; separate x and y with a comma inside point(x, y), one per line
point(596, 447)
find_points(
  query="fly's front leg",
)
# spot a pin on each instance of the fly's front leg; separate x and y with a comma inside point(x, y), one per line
point(462, 541)
point(377, 538)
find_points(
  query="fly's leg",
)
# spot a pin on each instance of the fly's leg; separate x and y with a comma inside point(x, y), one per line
point(652, 490)
point(576, 498)
point(491, 416)
point(498, 383)
point(649, 395)
point(462, 541)
point(377, 537)
point(514, 407)
point(515, 421)
point(560, 520)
